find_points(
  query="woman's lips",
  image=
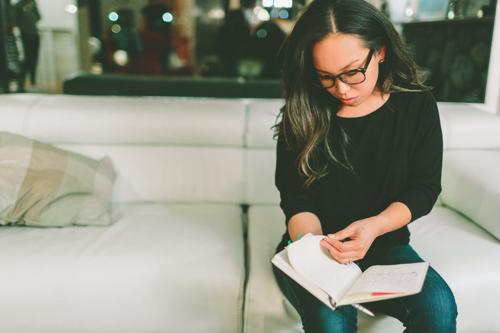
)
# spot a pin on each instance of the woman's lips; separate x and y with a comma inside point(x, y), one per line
point(348, 100)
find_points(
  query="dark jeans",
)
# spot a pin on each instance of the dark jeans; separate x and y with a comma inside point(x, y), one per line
point(432, 310)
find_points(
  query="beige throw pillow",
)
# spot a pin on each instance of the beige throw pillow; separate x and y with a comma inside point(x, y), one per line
point(42, 185)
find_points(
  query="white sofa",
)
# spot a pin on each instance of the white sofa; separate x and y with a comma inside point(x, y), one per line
point(196, 220)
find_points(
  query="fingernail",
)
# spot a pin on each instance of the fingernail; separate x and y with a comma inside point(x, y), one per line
point(331, 236)
point(289, 242)
point(299, 236)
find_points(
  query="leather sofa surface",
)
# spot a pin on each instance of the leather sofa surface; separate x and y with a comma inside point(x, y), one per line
point(196, 218)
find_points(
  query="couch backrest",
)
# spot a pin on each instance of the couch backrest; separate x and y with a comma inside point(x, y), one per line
point(260, 155)
point(153, 142)
point(224, 145)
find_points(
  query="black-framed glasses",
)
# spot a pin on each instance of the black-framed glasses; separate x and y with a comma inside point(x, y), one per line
point(350, 77)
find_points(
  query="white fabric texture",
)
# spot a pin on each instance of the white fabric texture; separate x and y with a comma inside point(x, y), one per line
point(472, 277)
point(163, 268)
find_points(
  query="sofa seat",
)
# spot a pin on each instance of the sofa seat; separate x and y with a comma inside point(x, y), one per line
point(438, 235)
point(162, 267)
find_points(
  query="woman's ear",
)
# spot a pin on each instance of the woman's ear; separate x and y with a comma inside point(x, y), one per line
point(381, 54)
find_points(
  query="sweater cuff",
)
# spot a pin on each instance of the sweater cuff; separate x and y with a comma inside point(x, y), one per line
point(419, 203)
point(297, 208)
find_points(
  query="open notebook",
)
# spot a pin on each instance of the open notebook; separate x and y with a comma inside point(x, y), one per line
point(335, 284)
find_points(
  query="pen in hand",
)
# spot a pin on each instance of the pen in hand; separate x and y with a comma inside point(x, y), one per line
point(363, 309)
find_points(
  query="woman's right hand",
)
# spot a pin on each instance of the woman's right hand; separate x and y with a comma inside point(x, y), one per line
point(343, 256)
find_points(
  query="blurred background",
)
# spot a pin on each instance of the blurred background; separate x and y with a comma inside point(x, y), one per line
point(221, 48)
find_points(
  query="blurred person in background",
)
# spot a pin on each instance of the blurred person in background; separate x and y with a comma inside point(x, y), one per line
point(180, 55)
point(155, 37)
point(248, 8)
point(266, 43)
point(121, 43)
point(232, 41)
point(10, 57)
point(26, 17)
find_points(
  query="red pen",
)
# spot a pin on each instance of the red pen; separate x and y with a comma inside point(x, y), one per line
point(380, 293)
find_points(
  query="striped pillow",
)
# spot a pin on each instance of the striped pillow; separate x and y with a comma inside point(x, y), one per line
point(41, 185)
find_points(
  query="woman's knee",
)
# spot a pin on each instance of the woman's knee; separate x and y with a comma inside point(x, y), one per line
point(316, 316)
point(321, 318)
point(436, 308)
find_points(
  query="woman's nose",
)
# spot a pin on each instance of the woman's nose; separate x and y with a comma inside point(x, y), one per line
point(342, 88)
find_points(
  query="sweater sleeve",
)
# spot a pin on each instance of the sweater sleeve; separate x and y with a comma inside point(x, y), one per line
point(424, 178)
point(294, 197)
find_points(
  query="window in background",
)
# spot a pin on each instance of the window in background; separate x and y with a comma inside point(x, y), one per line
point(153, 44)
point(184, 46)
point(246, 40)
point(451, 42)
point(207, 38)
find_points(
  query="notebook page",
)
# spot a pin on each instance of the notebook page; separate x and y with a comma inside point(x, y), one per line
point(315, 264)
point(402, 278)
point(281, 261)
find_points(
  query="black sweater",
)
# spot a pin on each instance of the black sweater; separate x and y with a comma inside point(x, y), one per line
point(396, 152)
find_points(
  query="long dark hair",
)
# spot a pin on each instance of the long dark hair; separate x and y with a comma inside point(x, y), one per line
point(306, 117)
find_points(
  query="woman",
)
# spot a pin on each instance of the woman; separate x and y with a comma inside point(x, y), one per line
point(359, 156)
point(26, 18)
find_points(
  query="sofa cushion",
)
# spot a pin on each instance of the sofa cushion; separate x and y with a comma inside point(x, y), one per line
point(267, 310)
point(177, 174)
point(468, 127)
point(468, 258)
point(260, 166)
point(130, 120)
point(471, 185)
point(159, 268)
point(261, 117)
point(46, 186)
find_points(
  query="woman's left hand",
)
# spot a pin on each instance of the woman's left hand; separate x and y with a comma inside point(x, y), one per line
point(362, 233)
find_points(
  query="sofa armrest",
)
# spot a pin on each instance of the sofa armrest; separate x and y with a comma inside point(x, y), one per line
point(471, 186)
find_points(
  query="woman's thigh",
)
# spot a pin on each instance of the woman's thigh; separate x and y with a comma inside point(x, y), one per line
point(432, 310)
point(315, 316)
